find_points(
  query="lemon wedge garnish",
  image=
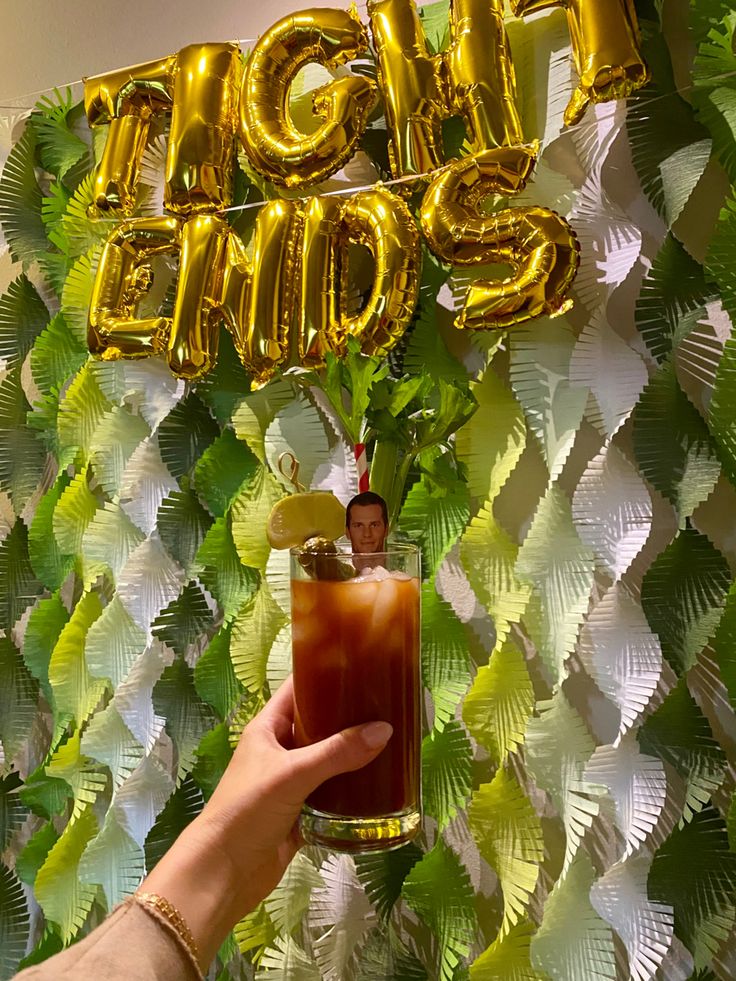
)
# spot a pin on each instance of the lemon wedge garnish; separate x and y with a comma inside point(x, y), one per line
point(313, 514)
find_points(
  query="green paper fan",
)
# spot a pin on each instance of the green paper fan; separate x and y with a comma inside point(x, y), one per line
point(250, 511)
point(680, 734)
point(657, 136)
point(50, 563)
point(254, 632)
point(80, 413)
point(225, 385)
point(185, 621)
point(213, 757)
point(214, 676)
point(182, 524)
point(257, 410)
point(73, 513)
point(114, 861)
point(674, 287)
point(108, 540)
point(672, 443)
point(384, 957)
point(20, 202)
point(489, 558)
point(438, 889)
point(220, 570)
point(22, 456)
point(35, 852)
point(492, 441)
point(722, 416)
point(718, 263)
point(60, 149)
point(285, 960)
point(78, 234)
point(108, 740)
point(185, 434)
point(18, 700)
point(180, 810)
point(695, 873)
point(434, 521)
point(500, 702)
point(382, 876)
point(187, 717)
point(44, 627)
point(65, 901)
point(508, 958)
point(713, 92)
point(224, 467)
point(447, 759)
point(724, 645)
point(76, 692)
point(113, 643)
point(683, 594)
point(23, 315)
point(19, 587)
point(118, 435)
point(255, 933)
point(15, 923)
point(509, 836)
point(446, 667)
point(13, 812)
point(76, 296)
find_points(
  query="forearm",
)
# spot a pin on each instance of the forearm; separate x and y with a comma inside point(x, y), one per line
point(198, 878)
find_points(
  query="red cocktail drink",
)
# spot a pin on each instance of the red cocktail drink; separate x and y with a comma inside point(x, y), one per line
point(356, 659)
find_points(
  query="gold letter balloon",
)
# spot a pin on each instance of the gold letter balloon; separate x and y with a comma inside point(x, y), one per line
point(474, 79)
point(538, 244)
point(276, 148)
point(126, 100)
point(605, 43)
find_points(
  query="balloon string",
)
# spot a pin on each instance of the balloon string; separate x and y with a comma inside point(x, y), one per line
point(293, 474)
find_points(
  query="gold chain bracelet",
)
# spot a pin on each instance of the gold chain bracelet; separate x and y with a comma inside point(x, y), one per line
point(152, 901)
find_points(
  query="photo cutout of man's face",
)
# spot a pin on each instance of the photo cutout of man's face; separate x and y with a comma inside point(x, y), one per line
point(367, 529)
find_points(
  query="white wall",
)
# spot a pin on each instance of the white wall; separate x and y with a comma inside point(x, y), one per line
point(44, 43)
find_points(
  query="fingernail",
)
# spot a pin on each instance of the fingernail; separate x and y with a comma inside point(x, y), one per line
point(375, 734)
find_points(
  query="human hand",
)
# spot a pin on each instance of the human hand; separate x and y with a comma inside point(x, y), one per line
point(235, 852)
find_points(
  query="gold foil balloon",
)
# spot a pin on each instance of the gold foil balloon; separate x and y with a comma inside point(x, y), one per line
point(382, 223)
point(319, 305)
point(259, 295)
point(125, 99)
point(538, 244)
point(474, 78)
point(123, 278)
point(480, 74)
point(606, 46)
point(274, 145)
point(194, 336)
point(204, 121)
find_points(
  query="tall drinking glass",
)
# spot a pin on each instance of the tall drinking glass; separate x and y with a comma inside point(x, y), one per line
point(355, 643)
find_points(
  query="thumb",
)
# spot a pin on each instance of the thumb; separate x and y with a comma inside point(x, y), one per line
point(347, 750)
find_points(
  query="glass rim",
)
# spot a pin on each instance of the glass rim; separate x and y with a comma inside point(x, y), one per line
point(393, 548)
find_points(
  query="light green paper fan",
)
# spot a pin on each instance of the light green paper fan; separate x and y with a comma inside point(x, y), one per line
point(509, 836)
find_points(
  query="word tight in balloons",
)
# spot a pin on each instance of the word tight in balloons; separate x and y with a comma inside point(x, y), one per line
point(285, 300)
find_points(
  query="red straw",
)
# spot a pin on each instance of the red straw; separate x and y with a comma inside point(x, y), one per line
point(362, 464)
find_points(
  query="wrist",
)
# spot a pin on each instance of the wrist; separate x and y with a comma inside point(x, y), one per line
point(198, 878)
